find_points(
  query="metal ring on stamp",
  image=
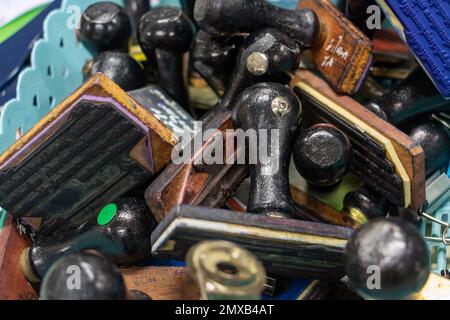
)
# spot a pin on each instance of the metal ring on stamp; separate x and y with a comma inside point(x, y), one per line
point(225, 270)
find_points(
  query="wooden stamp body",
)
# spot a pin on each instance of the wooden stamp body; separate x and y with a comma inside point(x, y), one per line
point(13, 284)
point(383, 157)
point(342, 53)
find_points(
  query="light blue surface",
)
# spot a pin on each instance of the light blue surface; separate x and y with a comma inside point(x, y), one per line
point(55, 72)
point(156, 3)
point(288, 4)
point(2, 218)
point(442, 214)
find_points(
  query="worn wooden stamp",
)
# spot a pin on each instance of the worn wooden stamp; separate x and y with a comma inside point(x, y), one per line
point(96, 145)
point(385, 158)
point(342, 53)
point(162, 283)
point(13, 284)
point(285, 246)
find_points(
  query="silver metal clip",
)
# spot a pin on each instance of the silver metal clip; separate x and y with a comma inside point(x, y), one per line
point(443, 238)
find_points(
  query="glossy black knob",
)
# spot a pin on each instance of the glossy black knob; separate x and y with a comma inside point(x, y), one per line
point(105, 26)
point(227, 17)
point(322, 155)
point(367, 203)
point(434, 139)
point(387, 259)
point(85, 276)
point(214, 59)
point(166, 28)
point(270, 113)
point(165, 34)
point(267, 56)
point(400, 105)
point(121, 231)
point(119, 67)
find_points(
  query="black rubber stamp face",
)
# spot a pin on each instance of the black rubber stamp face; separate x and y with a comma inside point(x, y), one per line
point(322, 155)
point(105, 26)
point(269, 109)
point(387, 259)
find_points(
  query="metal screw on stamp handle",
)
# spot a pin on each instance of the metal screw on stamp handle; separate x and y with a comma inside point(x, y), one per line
point(257, 63)
point(281, 106)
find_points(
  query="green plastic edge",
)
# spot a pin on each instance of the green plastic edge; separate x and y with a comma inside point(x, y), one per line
point(2, 218)
point(18, 23)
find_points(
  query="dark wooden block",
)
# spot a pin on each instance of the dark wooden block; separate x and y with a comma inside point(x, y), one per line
point(13, 284)
point(162, 283)
point(342, 53)
point(285, 246)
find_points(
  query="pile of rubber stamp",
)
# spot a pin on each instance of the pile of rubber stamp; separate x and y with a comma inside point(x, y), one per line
point(233, 149)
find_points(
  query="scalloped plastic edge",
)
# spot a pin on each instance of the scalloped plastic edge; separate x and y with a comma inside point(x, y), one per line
point(54, 73)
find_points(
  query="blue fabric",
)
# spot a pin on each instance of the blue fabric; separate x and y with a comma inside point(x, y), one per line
point(426, 29)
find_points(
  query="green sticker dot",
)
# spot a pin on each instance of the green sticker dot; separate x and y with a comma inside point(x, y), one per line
point(107, 214)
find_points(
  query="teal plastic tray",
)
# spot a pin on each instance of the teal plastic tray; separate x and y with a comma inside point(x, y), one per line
point(2, 218)
point(55, 72)
point(438, 250)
